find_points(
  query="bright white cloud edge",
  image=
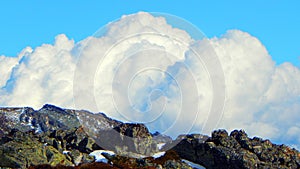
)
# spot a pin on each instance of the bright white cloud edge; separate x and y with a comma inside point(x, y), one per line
point(262, 97)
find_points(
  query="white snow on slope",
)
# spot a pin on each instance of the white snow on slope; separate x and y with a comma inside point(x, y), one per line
point(160, 145)
point(194, 165)
point(158, 154)
point(99, 157)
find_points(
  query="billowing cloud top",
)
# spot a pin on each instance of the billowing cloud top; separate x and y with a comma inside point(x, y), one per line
point(142, 69)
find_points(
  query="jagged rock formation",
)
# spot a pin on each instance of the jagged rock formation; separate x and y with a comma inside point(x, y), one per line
point(64, 138)
point(128, 139)
point(57, 131)
point(48, 118)
point(23, 149)
point(237, 151)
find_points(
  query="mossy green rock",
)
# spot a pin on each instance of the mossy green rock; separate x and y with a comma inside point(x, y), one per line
point(54, 157)
point(25, 151)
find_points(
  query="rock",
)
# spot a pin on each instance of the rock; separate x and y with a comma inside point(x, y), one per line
point(74, 139)
point(136, 137)
point(176, 164)
point(54, 157)
point(237, 150)
point(82, 166)
point(53, 137)
point(160, 141)
point(10, 119)
point(96, 166)
point(25, 150)
point(48, 118)
point(169, 160)
point(242, 138)
point(70, 147)
point(128, 140)
point(95, 122)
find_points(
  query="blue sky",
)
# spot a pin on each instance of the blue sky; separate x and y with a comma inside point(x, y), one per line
point(275, 23)
point(262, 96)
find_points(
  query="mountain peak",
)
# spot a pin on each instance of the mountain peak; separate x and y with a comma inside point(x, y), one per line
point(69, 136)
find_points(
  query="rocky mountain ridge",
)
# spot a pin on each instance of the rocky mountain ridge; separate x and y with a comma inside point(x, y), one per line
point(53, 137)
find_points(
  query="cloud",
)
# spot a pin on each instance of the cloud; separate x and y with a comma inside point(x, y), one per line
point(40, 76)
point(262, 97)
point(142, 69)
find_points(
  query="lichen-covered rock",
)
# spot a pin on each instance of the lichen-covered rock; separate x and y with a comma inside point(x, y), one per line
point(22, 149)
point(237, 151)
point(54, 157)
point(25, 150)
point(53, 137)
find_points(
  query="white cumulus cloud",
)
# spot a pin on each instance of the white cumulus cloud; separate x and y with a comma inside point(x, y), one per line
point(143, 69)
point(40, 76)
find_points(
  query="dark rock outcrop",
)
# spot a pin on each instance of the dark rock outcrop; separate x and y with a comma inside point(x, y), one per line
point(52, 137)
point(123, 138)
point(237, 151)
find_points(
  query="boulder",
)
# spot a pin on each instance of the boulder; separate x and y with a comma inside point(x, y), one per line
point(24, 150)
point(238, 151)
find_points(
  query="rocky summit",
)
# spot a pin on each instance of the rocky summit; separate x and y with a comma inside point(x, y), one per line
point(52, 137)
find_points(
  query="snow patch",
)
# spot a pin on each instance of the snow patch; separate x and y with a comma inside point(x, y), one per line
point(158, 154)
point(99, 157)
point(193, 165)
point(160, 145)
